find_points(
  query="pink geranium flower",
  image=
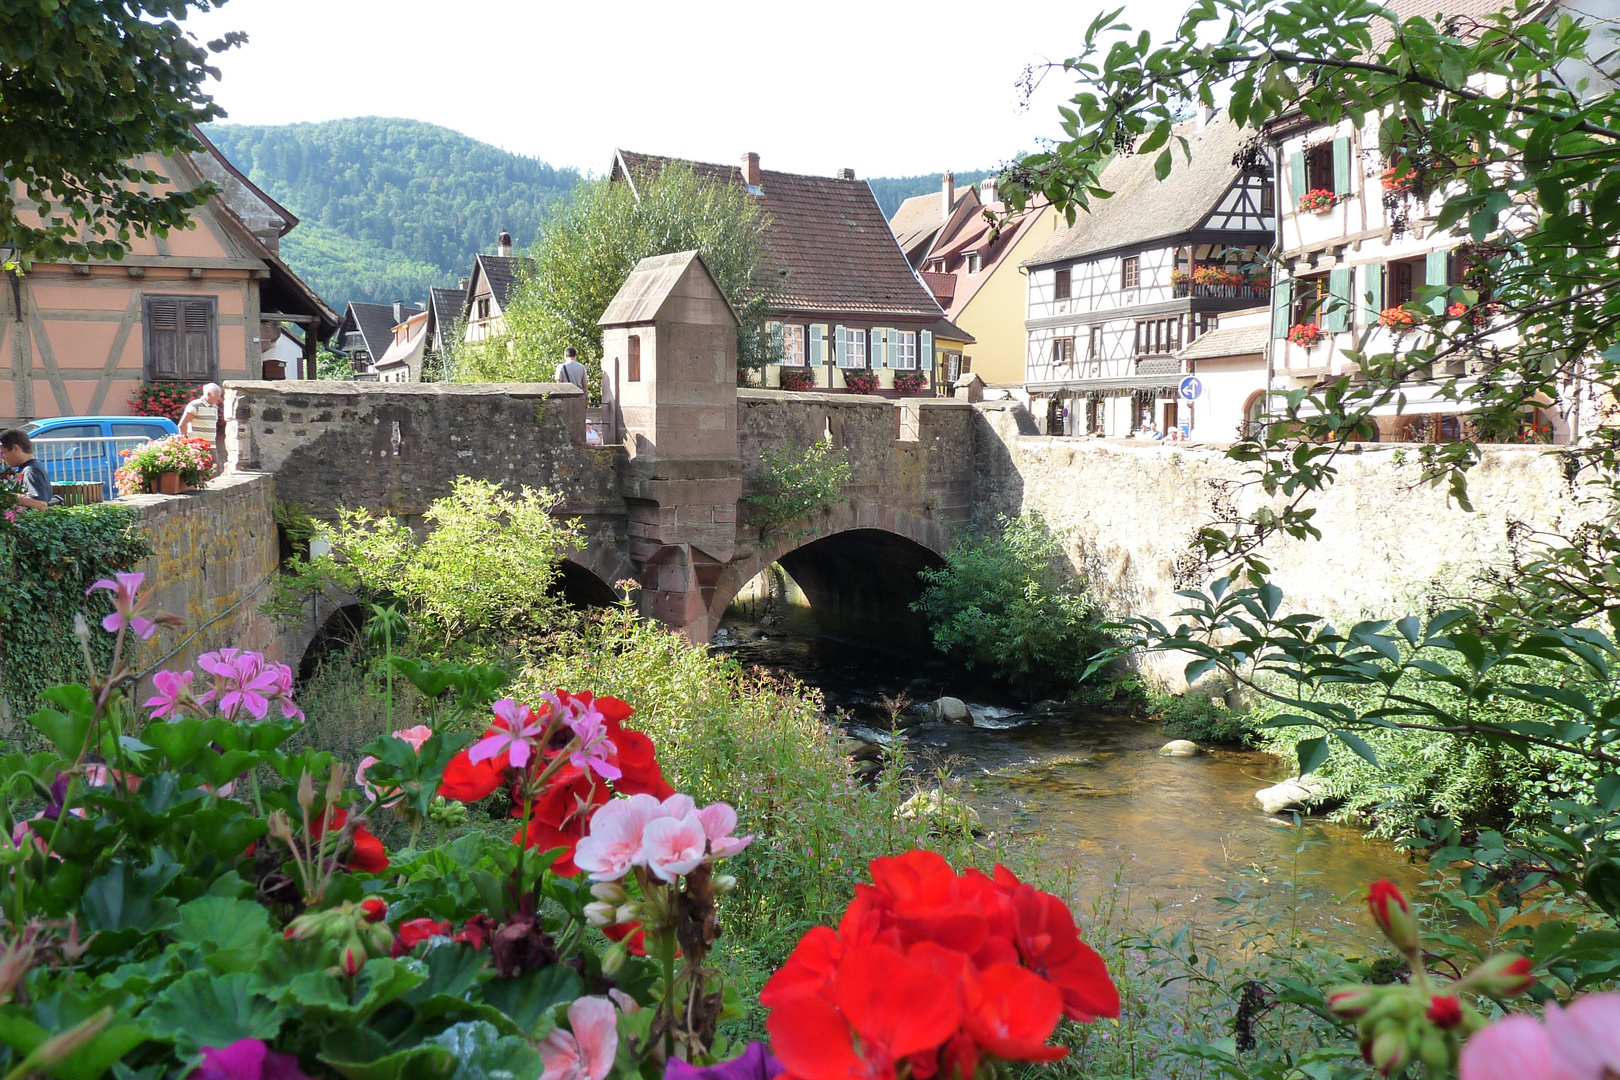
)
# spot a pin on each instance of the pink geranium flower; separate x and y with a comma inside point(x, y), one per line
point(674, 846)
point(1586, 1036)
point(522, 728)
point(719, 822)
point(1578, 1042)
point(587, 1051)
point(173, 693)
point(614, 842)
point(242, 682)
point(416, 736)
point(126, 602)
point(589, 726)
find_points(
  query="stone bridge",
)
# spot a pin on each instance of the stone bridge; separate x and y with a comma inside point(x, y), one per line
point(395, 448)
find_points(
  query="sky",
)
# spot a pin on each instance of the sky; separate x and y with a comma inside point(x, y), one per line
point(886, 88)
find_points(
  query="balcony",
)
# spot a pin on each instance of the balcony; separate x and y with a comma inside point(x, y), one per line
point(1183, 289)
point(1158, 365)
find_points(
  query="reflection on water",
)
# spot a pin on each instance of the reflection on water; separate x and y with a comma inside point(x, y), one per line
point(1092, 790)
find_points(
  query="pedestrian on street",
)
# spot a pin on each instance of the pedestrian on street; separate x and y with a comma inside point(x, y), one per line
point(210, 398)
point(570, 370)
point(17, 451)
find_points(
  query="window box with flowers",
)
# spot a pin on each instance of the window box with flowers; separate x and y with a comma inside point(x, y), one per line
point(860, 382)
point(1317, 201)
point(793, 378)
point(911, 383)
point(1399, 178)
point(1397, 320)
point(1305, 335)
point(166, 466)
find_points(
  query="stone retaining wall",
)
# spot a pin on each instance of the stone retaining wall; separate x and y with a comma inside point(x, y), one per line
point(1130, 510)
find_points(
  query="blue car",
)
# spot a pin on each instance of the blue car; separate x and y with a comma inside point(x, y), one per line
point(85, 449)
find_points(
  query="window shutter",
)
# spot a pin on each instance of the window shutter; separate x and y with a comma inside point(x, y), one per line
point(1296, 169)
point(1434, 273)
point(1341, 166)
point(840, 352)
point(1337, 316)
point(891, 348)
point(925, 351)
point(1282, 314)
point(198, 338)
point(874, 349)
point(1373, 280)
point(814, 357)
point(163, 338)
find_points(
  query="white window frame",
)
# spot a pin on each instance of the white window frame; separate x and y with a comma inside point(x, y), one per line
point(854, 353)
point(792, 345)
point(905, 357)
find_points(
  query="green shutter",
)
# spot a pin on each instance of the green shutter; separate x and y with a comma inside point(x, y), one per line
point(925, 352)
point(1336, 318)
point(1282, 318)
point(838, 346)
point(1341, 167)
point(1373, 288)
point(817, 354)
point(1296, 169)
point(1434, 273)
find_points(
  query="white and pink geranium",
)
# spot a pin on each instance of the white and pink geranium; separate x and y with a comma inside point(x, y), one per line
point(669, 838)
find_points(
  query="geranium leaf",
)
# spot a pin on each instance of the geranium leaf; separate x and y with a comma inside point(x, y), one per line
point(203, 1009)
point(528, 997)
point(483, 1053)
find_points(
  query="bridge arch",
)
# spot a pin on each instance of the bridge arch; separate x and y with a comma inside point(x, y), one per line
point(857, 565)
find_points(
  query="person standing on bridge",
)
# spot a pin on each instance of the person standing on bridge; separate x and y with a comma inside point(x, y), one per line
point(17, 451)
point(570, 370)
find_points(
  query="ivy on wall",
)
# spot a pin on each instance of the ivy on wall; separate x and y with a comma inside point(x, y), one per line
point(47, 560)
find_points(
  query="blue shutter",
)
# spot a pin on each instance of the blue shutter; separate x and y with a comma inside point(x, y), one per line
point(839, 355)
point(874, 349)
point(1342, 179)
point(1373, 289)
point(1296, 171)
point(814, 356)
point(925, 352)
point(1435, 273)
point(1282, 316)
point(1336, 320)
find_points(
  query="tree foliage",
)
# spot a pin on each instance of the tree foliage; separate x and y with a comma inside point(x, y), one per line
point(891, 191)
point(87, 89)
point(389, 207)
point(587, 250)
point(799, 482)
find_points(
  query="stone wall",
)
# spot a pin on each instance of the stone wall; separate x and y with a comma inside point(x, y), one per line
point(395, 447)
point(213, 554)
point(1130, 510)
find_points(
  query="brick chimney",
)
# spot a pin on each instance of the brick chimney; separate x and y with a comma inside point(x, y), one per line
point(988, 192)
point(947, 195)
point(846, 174)
point(750, 169)
point(503, 244)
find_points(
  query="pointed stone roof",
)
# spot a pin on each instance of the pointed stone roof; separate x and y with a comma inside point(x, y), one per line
point(651, 285)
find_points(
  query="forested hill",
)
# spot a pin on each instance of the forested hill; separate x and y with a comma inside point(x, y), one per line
point(390, 207)
point(891, 191)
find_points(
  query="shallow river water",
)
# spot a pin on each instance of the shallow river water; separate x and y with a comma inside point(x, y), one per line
point(1093, 792)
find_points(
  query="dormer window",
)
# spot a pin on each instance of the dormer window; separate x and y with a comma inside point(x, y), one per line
point(973, 262)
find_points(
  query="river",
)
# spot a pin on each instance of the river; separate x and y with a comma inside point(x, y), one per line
point(1092, 791)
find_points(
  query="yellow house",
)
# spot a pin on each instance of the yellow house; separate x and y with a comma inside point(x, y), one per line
point(202, 304)
point(972, 266)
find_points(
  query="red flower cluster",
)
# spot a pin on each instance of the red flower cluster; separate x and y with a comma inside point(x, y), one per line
point(558, 815)
point(797, 378)
point(166, 399)
point(860, 382)
point(368, 855)
point(934, 970)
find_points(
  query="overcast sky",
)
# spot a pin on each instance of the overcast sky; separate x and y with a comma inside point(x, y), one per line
point(882, 86)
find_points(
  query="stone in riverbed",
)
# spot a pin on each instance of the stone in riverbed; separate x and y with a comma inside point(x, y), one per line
point(950, 710)
point(1295, 793)
point(939, 808)
point(1181, 748)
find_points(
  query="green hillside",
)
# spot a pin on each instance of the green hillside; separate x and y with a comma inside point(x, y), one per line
point(389, 207)
point(891, 191)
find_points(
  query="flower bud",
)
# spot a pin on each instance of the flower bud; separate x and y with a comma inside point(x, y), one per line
point(1503, 975)
point(334, 785)
point(353, 957)
point(628, 913)
point(599, 913)
point(304, 927)
point(306, 791)
point(1436, 1052)
point(724, 883)
point(1444, 1011)
point(81, 628)
point(1352, 1001)
point(610, 891)
point(58, 1048)
point(1393, 916)
point(1390, 1051)
point(381, 938)
point(280, 827)
point(376, 910)
point(613, 960)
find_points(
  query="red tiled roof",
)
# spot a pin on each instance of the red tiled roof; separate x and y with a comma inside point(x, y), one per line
point(943, 286)
point(973, 234)
point(828, 248)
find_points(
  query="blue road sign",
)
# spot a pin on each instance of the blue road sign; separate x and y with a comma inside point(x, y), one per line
point(1191, 388)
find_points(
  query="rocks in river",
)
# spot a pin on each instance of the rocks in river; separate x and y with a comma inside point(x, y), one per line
point(951, 710)
point(940, 809)
point(1181, 748)
point(1295, 793)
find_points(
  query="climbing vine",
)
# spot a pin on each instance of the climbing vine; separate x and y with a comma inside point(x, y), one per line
point(798, 483)
point(47, 560)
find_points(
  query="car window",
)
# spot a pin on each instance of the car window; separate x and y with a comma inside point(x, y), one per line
point(72, 431)
point(152, 431)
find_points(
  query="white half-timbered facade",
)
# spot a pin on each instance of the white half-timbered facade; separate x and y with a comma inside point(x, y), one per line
point(1115, 297)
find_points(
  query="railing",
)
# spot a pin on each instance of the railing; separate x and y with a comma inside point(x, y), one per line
point(85, 461)
point(1182, 289)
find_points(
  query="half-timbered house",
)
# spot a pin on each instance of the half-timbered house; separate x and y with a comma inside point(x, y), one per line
point(1115, 297)
point(202, 304)
point(840, 298)
point(489, 290)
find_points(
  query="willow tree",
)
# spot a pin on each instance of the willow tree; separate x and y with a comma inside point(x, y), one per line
point(587, 250)
point(87, 89)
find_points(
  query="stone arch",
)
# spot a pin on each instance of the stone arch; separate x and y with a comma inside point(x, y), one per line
point(916, 540)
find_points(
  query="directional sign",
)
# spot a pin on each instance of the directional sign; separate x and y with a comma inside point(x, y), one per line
point(1191, 388)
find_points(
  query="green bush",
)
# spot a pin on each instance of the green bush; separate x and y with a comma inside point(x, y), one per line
point(47, 561)
point(1004, 600)
point(799, 482)
point(1198, 716)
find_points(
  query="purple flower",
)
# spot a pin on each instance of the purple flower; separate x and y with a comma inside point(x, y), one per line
point(522, 729)
point(247, 1059)
point(244, 681)
point(173, 691)
point(755, 1063)
point(126, 602)
point(589, 726)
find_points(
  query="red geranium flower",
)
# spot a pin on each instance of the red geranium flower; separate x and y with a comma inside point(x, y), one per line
point(1050, 946)
point(367, 855)
point(631, 933)
point(413, 933)
point(1011, 1012)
